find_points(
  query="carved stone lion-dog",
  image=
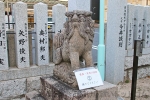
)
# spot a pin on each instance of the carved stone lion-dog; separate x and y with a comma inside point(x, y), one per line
point(73, 46)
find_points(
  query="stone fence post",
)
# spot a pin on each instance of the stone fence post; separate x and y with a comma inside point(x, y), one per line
point(59, 19)
point(42, 48)
point(3, 39)
point(115, 40)
point(21, 37)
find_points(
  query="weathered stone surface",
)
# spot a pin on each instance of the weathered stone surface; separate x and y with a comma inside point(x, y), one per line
point(12, 88)
point(52, 89)
point(73, 45)
point(143, 60)
point(11, 48)
point(115, 41)
point(33, 84)
point(21, 37)
point(3, 39)
point(107, 92)
point(130, 29)
point(129, 52)
point(19, 99)
point(34, 95)
point(59, 19)
point(138, 28)
point(146, 29)
point(79, 5)
point(142, 72)
point(42, 49)
point(15, 73)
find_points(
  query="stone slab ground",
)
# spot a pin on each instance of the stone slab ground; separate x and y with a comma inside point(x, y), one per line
point(142, 91)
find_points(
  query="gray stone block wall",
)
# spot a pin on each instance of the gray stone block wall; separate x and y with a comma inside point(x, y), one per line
point(17, 82)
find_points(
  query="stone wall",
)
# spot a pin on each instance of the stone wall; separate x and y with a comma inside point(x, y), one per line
point(17, 82)
point(143, 67)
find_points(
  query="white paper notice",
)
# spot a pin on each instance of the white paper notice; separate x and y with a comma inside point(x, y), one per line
point(88, 77)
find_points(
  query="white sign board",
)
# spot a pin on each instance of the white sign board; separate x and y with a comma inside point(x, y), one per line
point(88, 77)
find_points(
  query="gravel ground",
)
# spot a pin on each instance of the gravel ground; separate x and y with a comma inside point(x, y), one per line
point(142, 90)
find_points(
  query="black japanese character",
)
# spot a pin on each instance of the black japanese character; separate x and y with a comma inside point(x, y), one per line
point(148, 31)
point(121, 19)
point(22, 59)
point(1, 61)
point(147, 42)
point(124, 14)
point(121, 26)
point(46, 28)
point(120, 44)
point(42, 48)
point(129, 43)
point(21, 33)
point(139, 37)
point(3, 34)
point(42, 57)
point(0, 33)
point(130, 30)
point(124, 7)
point(42, 32)
point(129, 39)
point(42, 41)
point(3, 27)
point(148, 36)
point(22, 51)
point(139, 31)
point(1, 42)
point(82, 84)
point(140, 25)
point(21, 41)
point(121, 38)
point(121, 33)
point(3, 24)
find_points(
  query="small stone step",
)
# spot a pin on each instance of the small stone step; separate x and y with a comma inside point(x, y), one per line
point(34, 95)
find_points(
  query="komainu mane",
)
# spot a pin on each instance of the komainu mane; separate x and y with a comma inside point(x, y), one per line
point(73, 46)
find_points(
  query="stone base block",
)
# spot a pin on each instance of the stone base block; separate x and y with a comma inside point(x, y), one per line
point(146, 51)
point(34, 96)
point(12, 88)
point(33, 84)
point(142, 72)
point(53, 89)
point(107, 92)
point(130, 52)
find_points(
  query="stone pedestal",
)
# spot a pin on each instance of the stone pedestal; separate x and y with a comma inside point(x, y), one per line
point(53, 89)
point(34, 96)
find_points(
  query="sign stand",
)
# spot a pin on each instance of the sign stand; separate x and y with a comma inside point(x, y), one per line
point(88, 77)
point(137, 53)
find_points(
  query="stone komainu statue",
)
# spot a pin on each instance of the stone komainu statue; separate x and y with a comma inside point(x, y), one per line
point(73, 45)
